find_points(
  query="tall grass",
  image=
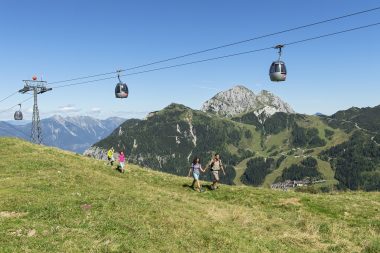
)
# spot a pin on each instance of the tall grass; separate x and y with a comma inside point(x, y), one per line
point(56, 201)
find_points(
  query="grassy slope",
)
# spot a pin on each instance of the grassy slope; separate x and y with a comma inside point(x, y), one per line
point(44, 190)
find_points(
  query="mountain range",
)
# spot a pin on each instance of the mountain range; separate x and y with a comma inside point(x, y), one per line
point(70, 133)
point(262, 141)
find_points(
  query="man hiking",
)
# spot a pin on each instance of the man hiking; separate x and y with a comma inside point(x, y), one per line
point(215, 166)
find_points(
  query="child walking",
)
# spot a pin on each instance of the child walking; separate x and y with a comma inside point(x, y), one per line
point(122, 161)
point(110, 156)
point(196, 169)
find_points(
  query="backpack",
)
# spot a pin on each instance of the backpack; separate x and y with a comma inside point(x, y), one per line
point(212, 164)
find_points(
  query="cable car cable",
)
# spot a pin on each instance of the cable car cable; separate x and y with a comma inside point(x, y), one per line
point(224, 46)
point(8, 96)
point(224, 56)
point(331, 34)
point(10, 108)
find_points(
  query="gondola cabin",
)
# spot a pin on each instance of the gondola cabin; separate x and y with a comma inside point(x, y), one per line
point(277, 71)
point(121, 90)
point(18, 115)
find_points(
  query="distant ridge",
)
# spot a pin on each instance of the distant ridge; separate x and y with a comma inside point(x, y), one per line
point(70, 133)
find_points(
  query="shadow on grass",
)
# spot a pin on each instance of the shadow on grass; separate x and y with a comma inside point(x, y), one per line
point(204, 186)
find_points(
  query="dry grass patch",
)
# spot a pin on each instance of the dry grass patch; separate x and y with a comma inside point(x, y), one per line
point(6, 214)
point(290, 201)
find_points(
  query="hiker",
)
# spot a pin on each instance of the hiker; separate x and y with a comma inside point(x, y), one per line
point(196, 169)
point(110, 156)
point(121, 161)
point(216, 165)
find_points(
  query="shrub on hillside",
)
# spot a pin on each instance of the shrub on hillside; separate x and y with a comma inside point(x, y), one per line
point(279, 161)
point(329, 134)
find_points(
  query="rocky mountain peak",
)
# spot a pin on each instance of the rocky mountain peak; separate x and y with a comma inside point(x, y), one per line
point(240, 99)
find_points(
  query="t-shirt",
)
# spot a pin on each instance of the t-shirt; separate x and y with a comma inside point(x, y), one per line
point(121, 158)
point(216, 164)
point(110, 153)
point(196, 168)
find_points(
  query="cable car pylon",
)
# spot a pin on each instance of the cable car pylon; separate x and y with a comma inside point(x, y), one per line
point(37, 87)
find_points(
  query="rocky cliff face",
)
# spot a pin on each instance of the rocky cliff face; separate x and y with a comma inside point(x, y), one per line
point(240, 100)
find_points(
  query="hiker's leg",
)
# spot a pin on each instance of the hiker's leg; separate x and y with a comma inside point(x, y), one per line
point(199, 185)
point(216, 179)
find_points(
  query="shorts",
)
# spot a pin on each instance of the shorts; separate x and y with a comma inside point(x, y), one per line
point(122, 165)
point(215, 175)
point(196, 176)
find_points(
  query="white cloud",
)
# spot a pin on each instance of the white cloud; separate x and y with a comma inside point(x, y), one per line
point(94, 112)
point(68, 109)
point(95, 109)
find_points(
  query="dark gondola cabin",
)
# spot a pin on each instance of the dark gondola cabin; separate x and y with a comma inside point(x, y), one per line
point(121, 90)
point(18, 114)
point(277, 71)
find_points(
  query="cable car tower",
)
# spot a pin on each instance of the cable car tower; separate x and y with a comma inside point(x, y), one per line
point(37, 87)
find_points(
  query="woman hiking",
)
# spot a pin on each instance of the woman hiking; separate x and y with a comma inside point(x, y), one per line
point(196, 169)
point(215, 166)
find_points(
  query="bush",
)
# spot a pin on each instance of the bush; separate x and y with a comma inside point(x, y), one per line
point(248, 134)
point(279, 161)
point(329, 134)
point(310, 162)
point(245, 153)
point(309, 151)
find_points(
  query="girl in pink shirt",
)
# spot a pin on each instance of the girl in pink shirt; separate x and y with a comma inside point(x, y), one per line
point(122, 161)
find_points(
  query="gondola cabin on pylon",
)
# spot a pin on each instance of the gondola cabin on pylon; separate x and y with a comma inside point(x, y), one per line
point(18, 114)
point(277, 70)
point(121, 89)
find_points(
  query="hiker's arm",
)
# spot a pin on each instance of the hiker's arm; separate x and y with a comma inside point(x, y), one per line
point(203, 170)
point(208, 166)
point(222, 167)
point(189, 173)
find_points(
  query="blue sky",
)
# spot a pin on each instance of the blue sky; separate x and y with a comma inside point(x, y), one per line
point(58, 40)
